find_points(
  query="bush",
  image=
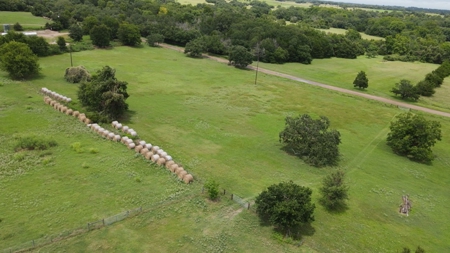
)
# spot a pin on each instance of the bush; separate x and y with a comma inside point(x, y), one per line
point(54, 49)
point(76, 146)
point(17, 27)
point(96, 117)
point(77, 74)
point(34, 143)
point(212, 187)
point(425, 88)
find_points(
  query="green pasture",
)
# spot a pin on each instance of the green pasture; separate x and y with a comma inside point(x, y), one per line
point(343, 31)
point(26, 19)
point(212, 119)
point(382, 76)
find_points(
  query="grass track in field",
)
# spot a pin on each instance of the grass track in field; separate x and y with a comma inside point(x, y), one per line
point(343, 31)
point(219, 125)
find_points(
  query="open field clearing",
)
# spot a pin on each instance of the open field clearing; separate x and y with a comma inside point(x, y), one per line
point(343, 31)
point(219, 125)
point(26, 19)
point(382, 76)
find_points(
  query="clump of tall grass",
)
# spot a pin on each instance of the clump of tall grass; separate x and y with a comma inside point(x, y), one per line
point(34, 143)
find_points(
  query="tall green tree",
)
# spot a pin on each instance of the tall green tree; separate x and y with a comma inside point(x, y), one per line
point(240, 57)
point(76, 32)
point(18, 60)
point(311, 140)
point(195, 48)
point(129, 34)
point(406, 90)
point(425, 88)
point(334, 191)
point(413, 136)
point(286, 205)
point(100, 36)
point(154, 39)
point(61, 42)
point(104, 94)
point(17, 27)
point(361, 80)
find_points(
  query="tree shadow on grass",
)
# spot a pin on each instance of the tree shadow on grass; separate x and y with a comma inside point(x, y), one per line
point(295, 233)
point(337, 209)
point(128, 116)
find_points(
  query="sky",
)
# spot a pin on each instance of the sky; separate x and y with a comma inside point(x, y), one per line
point(431, 4)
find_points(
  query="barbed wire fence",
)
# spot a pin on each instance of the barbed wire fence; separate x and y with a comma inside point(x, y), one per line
point(98, 224)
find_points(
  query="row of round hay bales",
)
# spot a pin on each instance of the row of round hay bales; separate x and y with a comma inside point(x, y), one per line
point(104, 133)
point(64, 109)
point(55, 95)
point(124, 129)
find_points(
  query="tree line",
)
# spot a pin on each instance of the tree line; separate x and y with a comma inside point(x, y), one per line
point(274, 35)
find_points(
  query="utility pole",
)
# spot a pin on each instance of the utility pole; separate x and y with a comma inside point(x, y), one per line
point(258, 49)
point(70, 51)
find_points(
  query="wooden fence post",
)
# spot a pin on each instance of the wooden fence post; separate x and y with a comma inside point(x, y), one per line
point(224, 191)
point(88, 226)
point(231, 196)
point(103, 222)
point(248, 208)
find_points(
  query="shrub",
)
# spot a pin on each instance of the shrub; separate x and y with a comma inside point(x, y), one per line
point(93, 150)
point(34, 143)
point(76, 146)
point(77, 74)
point(212, 187)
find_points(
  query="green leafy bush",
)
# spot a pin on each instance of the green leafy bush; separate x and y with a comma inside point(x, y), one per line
point(34, 143)
point(212, 188)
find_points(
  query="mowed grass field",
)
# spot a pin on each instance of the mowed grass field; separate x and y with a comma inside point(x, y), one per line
point(382, 75)
point(343, 31)
point(26, 19)
point(221, 126)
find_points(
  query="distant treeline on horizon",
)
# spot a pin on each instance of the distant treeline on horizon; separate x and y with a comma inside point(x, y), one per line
point(372, 6)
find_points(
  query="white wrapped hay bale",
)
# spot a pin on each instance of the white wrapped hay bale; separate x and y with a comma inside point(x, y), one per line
point(114, 123)
point(148, 146)
point(111, 136)
point(142, 143)
point(155, 158)
point(160, 151)
point(118, 126)
point(168, 157)
point(130, 130)
point(155, 148)
point(125, 129)
point(116, 137)
point(131, 145)
point(130, 141)
point(124, 138)
point(105, 133)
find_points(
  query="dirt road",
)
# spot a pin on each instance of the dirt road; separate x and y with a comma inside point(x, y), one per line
point(355, 93)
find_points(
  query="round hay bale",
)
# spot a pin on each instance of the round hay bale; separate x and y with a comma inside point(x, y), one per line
point(82, 118)
point(148, 146)
point(105, 133)
point(134, 134)
point(179, 170)
point(130, 130)
point(56, 105)
point(125, 129)
point(69, 111)
point(75, 113)
point(93, 126)
point(155, 158)
point(100, 130)
point(169, 163)
point(116, 137)
point(69, 100)
point(144, 151)
point(63, 109)
point(168, 158)
point(118, 126)
point(188, 178)
point(87, 121)
point(131, 145)
point(138, 148)
point(173, 167)
point(182, 174)
point(163, 154)
point(124, 138)
point(148, 155)
point(160, 151)
point(161, 161)
point(129, 141)
point(114, 123)
point(81, 115)
point(52, 103)
point(111, 136)
point(142, 143)
point(155, 148)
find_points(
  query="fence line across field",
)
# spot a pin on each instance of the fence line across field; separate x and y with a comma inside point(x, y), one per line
point(46, 240)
